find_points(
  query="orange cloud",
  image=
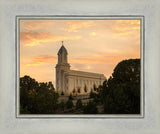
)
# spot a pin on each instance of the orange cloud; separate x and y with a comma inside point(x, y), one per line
point(125, 27)
point(35, 38)
point(94, 59)
point(126, 22)
point(53, 59)
point(40, 60)
point(84, 60)
point(75, 26)
point(117, 54)
point(100, 59)
point(36, 24)
point(32, 64)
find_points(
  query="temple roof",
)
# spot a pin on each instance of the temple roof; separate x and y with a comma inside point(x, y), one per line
point(62, 49)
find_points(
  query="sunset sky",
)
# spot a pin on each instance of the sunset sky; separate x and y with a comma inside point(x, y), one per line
point(93, 45)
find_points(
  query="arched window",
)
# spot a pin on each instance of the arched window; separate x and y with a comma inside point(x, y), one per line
point(85, 88)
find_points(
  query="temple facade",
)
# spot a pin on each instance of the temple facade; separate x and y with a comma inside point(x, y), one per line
point(72, 81)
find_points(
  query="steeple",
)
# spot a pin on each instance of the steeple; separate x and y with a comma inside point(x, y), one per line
point(62, 55)
point(62, 50)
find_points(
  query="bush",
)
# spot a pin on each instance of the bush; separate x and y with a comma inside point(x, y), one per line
point(69, 104)
point(70, 97)
point(79, 104)
point(62, 105)
point(91, 108)
point(62, 93)
point(92, 95)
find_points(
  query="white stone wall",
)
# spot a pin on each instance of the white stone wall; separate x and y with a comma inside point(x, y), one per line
point(79, 80)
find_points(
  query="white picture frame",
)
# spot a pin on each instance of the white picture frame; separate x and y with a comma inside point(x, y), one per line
point(149, 123)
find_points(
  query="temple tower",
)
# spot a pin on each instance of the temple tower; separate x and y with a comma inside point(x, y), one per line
point(61, 67)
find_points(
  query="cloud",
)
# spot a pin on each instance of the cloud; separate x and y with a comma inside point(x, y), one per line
point(117, 54)
point(92, 59)
point(100, 54)
point(42, 59)
point(78, 66)
point(87, 67)
point(51, 58)
point(93, 34)
point(36, 24)
point(84, 60)
point(125, 27)
point(29, 38)
point(75, 26)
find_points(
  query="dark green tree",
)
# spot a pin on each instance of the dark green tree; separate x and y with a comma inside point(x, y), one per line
point(121, 93)
point(37, 98)
point(50, 86)
point(26, 84)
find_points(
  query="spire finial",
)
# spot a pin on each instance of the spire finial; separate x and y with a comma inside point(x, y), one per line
point(62, 42)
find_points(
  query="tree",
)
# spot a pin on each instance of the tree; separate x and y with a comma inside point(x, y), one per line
point(37, 98)
point(50, 86)
point(121, 93)
point(26, 84)
point(103, 91)
point(127, 71)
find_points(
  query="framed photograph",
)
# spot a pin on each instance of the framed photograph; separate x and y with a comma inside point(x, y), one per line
point(102, 76)
point(79, 67)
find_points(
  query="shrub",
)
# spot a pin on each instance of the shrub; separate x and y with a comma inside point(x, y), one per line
point(79, 104)
point(62, 93)
point(69, 104)
point(70, 97)
point(92, 95)
point(91, 108)
point(62, 105)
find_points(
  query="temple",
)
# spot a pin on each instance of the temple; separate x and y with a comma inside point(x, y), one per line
point(72, 81)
